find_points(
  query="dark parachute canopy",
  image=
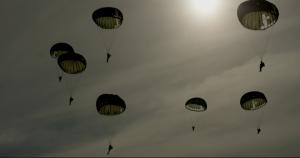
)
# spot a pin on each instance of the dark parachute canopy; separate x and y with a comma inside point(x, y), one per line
point(110, 104)
point(108, 18)
point(72, 63)
point(257, 14)
point(196, 104)
point(69, 61)
point(253, 100)
point(59, 49)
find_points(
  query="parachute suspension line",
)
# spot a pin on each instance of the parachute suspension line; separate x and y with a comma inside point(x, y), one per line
point(265, 49)
point(69, 89)
point(108, 50)
point(194, 123)
point(110, 139)
point(105, 129)
point(190, 121)
point(260, 117)
point(107, 123)
point(108, 130)
point(108, 37)
point(72, 88)
point(112, 131)
point(267, 42)
point(108, 42)
point(108, 55)
point(113, 38)
point(60, 75)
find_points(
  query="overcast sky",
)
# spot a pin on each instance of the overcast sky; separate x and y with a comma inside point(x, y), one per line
point(165, 53)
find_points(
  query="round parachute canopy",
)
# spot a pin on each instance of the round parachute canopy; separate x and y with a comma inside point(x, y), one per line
point(257, 14)
point(72, 63)
point(196, 104)
point(253, 100)
point(108, 18)
point(59, 49)
point(110, 104)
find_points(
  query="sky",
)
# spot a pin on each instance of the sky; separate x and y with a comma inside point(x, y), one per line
point(165, 52)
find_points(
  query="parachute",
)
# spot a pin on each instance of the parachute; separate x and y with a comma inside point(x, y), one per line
point(253, 100)
point(257, 14)
point(72, 63)
point(68, 61)
point(110, 104)
point(108, 19)
point(59, 49)
point(196, 105)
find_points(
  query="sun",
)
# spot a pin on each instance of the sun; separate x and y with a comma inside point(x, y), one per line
point(205, 7)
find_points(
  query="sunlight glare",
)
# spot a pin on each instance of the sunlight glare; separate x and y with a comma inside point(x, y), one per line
point(205, 7)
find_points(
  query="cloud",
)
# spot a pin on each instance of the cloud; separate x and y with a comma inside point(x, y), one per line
point(157, 65)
